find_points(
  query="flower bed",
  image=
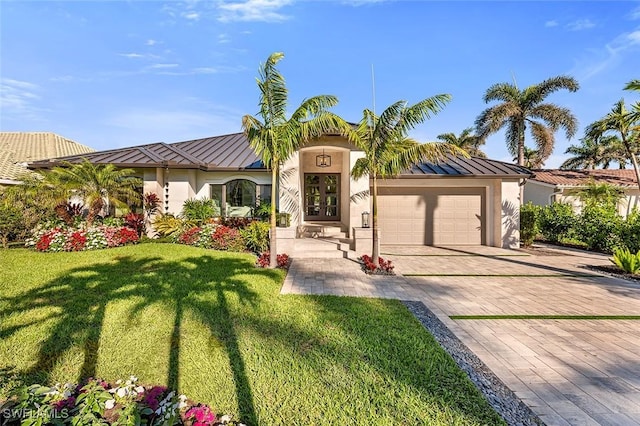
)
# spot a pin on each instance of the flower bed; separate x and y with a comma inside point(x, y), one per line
point(265, 258)
point(384, 267)
point(214, 236)
point(80, 239)
point(99, 402)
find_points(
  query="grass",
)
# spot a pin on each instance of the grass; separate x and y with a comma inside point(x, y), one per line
point(545, 317)
point(217, 328)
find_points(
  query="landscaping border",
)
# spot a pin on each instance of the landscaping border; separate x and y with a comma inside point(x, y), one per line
point(500, 397)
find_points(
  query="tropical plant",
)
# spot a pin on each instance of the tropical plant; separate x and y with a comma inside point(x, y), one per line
point(11, 223)
point(168, 225)
point(532, 159)
point(602, 194)
point(467, 140)
point(626, 260)
point(388, 150)
point(593, 152)
point(274, 137)
point(625, 124)
point(200, 209)
point(519, 109)
point(556, 221)
point(256, 236)
point(600, 228)
point(97, 184)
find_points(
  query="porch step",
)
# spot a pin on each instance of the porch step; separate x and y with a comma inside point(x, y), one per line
point(308, 248)
point(317, 230)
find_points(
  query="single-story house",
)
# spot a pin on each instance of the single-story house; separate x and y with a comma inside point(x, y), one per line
point(459, 202)
point(561, 186)
point(19, 148)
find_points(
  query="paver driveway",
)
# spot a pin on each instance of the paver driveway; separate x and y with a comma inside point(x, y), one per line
point(569, 371)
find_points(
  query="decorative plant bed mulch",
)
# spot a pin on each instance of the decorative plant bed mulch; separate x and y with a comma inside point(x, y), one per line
point(615, 272)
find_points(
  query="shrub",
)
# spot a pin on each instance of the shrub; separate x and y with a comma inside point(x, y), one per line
point(630, 231)
point(256, 236)
point(135, 221)
point(264, 260)
point(599, 227)
point(626, 260)
point(218, 237)
point(556, 221)
point(100, 403)
point(236, 222)
point(384, 267)
point(528, 223)
point(150, 203)
point(168, 225)
point(199, 210)
point(11, 224)
point(72, 239)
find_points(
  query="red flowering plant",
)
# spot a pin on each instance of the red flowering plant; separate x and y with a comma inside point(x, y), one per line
point(76, 241)
point(384, 267)
point(264, 259)
point(72, 239)
point(135, 221)
point(190, 236)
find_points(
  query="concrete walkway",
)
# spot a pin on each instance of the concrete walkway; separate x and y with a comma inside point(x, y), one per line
point(570, 372)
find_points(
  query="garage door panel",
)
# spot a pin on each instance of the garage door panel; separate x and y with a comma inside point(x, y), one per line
point(437, 216)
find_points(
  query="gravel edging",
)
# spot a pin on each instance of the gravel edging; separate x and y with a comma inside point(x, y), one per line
point(500, 397)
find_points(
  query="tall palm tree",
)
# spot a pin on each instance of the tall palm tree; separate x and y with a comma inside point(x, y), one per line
point(633, 85)
point(519, 109)
point(98, 185)
point(388, 150)
point(624, 123)
point(466, 140)
point(594, 152)
point(275, 138)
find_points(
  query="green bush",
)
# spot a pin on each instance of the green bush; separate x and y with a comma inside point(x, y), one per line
point(630, 232)
point(600, 228)
point(556, 222)
point(528, 223)
point(199, 210)
point(626, 260)
point(256, 236)
point(12, 225)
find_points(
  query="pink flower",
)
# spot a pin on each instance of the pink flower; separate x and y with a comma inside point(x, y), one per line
point(202, 415)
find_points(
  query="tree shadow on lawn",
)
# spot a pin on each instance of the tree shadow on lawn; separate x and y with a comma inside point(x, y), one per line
point(201, 286)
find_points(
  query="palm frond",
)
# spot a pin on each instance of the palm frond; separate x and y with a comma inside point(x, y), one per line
point(556, 117)
point(543, 138)
point(540, 91)
point(505, 92)
point(360, 168)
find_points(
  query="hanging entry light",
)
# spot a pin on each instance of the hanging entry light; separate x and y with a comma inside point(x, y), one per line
point(323, 160)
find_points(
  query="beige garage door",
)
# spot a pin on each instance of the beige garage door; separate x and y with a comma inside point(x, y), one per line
point(433, 216)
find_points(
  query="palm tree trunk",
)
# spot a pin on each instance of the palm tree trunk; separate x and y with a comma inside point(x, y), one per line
point(375, 255)
point(521, 158)
point(273, 250)
point(94, 210)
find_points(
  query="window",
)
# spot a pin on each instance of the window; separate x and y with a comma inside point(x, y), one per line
point(239, 198)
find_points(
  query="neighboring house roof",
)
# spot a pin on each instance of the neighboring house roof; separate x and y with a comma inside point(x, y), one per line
point(467, 167)
point(215, 153)
point(19, 148)
point(233, 152)
point(570, 178)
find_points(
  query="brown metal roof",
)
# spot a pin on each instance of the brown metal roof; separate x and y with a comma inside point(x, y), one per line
point(233, 152)
point(215, 153)
point(467, 167)
point(620, 177)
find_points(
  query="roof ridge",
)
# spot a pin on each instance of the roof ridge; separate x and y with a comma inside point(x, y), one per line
point(182, 152)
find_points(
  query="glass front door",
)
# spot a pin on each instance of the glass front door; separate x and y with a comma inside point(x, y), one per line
point(322, 197)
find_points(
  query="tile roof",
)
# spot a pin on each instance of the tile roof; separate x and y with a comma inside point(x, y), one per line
point(624, 177)
point(215, 153)
point(17, 148)
point(471, 167)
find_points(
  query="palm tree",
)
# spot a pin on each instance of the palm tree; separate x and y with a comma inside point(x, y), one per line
point(532, 158)
point(275, 138)
point(388, 151)
point(521, 108)
point(601, 194)
point(624, 123)
point(633, 85)
point(594, 152)
point(97, 184)
point(466, 140)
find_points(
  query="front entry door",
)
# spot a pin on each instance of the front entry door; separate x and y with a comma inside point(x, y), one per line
point(321, 196)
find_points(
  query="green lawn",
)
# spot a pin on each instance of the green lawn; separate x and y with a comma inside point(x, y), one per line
point(216, 327)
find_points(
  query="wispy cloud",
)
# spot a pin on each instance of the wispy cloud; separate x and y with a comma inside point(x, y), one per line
point(163, 66)
point(253, 10)
point(19, 99)
point(550, 24)
point(224, 38)
point(635, 14)
point(134, 55)
point(580, 24)
point(599, 60)
point(191, 15)
point(205, 70)
point(151, 42)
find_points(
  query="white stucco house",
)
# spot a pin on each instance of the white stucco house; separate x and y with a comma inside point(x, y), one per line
point(460, 202)
point(561, 186)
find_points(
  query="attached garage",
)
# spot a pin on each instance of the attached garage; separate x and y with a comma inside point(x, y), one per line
point(432, 216)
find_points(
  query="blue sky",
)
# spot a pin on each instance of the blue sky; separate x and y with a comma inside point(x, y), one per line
point(120, 73)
